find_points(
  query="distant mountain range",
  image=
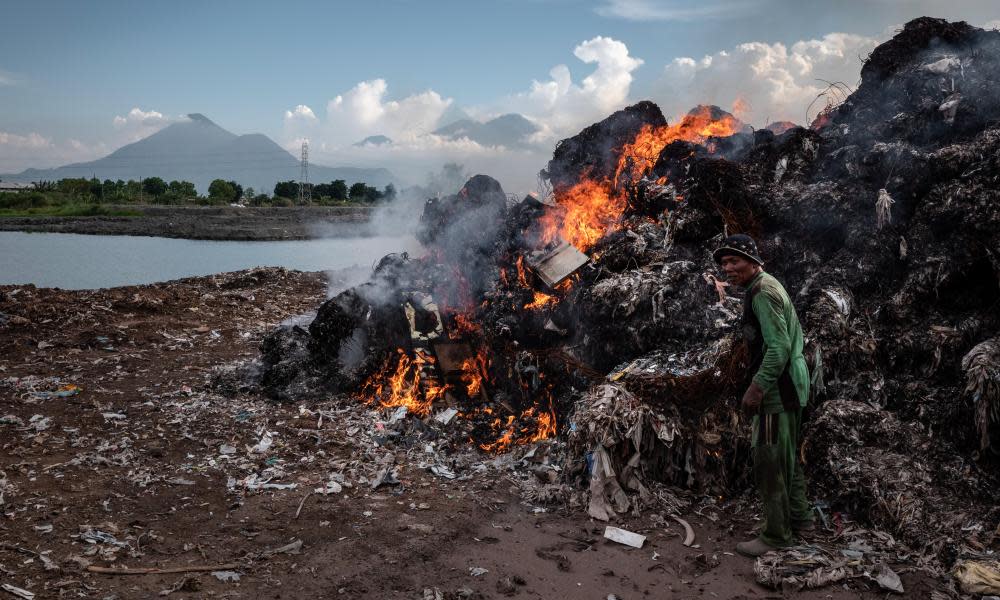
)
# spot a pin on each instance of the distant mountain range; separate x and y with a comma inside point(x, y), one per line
point(198, 150)
point(509, 131)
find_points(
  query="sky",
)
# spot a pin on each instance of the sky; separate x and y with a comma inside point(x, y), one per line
point(79, 79)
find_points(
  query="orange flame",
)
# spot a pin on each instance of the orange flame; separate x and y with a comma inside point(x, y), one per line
point(541, 300)
point(471, 376)
point(463, 326)
point(590, 209)
point(400, 386)
point(586, 212)
point(545, 428)
point(522, 275)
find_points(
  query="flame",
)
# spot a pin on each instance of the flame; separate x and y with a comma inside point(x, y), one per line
point(471, 376)
point(696, 127)
point(586, 211)
point(463, 326)
point(400, 386)
point(522, 275)
point(540, 301)
point(546, 427)
point(515, 432)
point(502, 443)
point(589, 209)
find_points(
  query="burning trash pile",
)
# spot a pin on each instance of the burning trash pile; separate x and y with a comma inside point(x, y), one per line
point(596, 315)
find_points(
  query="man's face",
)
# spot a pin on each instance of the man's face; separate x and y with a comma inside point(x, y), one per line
point(738, 270)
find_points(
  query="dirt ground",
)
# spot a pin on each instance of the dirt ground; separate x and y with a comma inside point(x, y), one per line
point(204, 222)
point(142, 465)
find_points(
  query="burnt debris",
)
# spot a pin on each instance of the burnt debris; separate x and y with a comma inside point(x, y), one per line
point(597, 316)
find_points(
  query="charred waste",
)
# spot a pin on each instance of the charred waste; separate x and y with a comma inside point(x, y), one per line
point(596, 317)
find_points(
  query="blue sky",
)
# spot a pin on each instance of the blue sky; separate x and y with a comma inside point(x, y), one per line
point(67, 69)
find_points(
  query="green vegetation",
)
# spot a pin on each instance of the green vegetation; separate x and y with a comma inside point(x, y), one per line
point(70, 210)
point(83, 197)
point(335, 193)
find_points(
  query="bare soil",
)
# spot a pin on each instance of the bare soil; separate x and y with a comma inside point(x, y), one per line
point(203, 223)
point(147, 454)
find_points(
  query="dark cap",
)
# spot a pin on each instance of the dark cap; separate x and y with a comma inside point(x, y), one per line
point(739, 244)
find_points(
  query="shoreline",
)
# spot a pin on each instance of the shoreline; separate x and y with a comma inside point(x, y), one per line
point(219, 223)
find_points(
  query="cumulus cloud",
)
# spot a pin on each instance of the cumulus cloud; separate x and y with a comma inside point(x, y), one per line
point(138, 124)
point(21, 151)
point(560, 106)
point(137, 115)
point(776, 82)
point(657, 10)
point(301, 112)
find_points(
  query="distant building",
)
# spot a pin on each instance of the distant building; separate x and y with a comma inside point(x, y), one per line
point(9, 186)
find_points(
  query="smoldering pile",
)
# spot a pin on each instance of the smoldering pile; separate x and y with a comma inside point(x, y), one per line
point(596, 316)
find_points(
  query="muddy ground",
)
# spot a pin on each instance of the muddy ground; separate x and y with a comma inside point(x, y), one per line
point(205, 222)
point(114, 452)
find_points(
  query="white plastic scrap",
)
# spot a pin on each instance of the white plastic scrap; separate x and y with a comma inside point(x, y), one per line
point(332, 487)
point(39, 423)
point(478, 571)
point(780, 168)
point(443, 471)
point(949, 108)
point(887, 579)
point(226, 576)
point(265, 443)
point(20, 593)
point(623, 536)
point(883, 209)
point(941, 67)
point(398, 415)
point(445, 416)
point(841, 301)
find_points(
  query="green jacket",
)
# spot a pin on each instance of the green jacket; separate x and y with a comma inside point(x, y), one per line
point(774, 340)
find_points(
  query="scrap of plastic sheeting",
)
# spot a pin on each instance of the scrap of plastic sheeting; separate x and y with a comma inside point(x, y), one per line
point(20, 593)
point(623, 536)
point(887, 579)
point(294, 547)
point(265, 443)
point(332, 487)
point(226, 576)
point(604, 485)
point(443, 471)
point(978, 577)
point(445, 416)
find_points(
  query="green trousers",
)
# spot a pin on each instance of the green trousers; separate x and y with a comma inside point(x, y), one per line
point(778, 474)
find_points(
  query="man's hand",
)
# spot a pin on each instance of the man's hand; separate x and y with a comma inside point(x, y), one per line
point(752, 398)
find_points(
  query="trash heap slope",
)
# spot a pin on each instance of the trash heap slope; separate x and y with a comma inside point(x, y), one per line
point(883, 221)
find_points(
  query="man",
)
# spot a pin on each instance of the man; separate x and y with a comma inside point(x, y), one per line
point(775, 396)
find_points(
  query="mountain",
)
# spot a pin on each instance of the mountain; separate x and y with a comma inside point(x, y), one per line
point(510, 131)
point(198, 150)
point(374, 140)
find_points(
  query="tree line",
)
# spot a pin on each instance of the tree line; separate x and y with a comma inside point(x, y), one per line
point(154, 190)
